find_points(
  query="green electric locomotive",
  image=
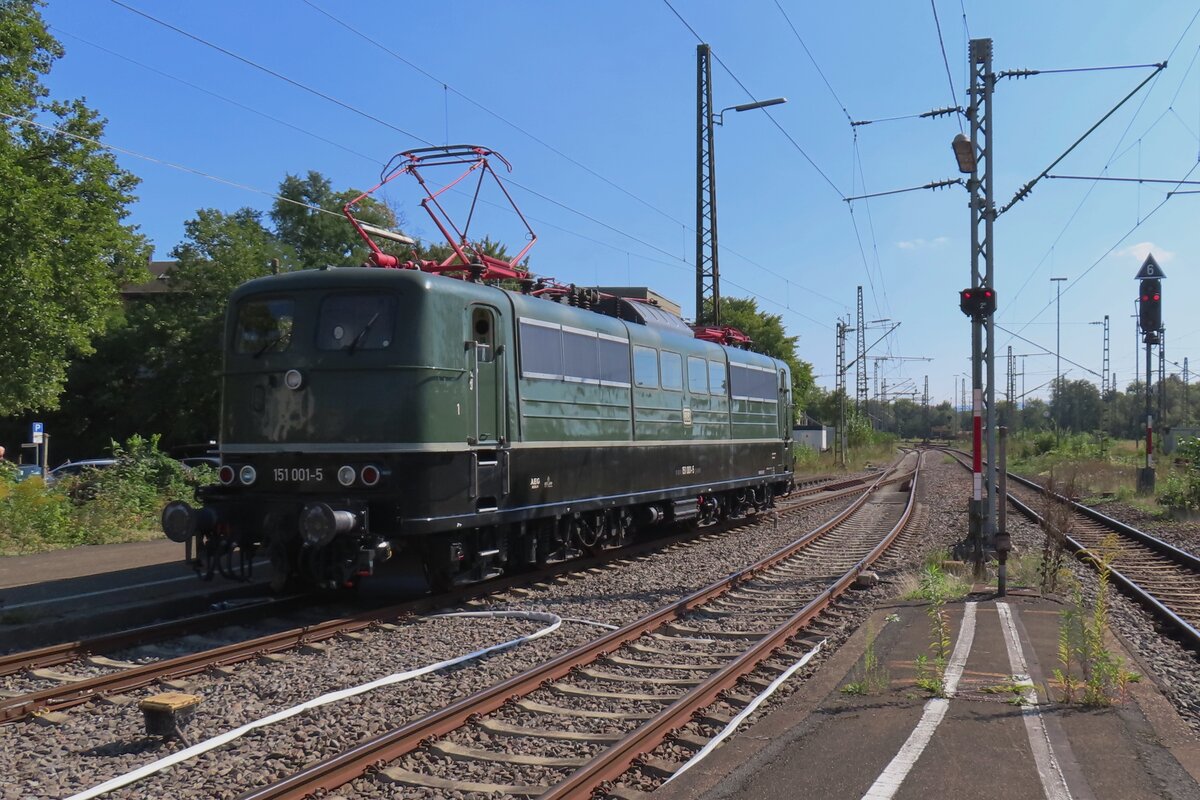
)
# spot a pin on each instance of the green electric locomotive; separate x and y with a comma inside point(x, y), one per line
point(373, 413)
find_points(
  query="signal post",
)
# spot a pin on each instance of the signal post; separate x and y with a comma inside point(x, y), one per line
point(1150, 323)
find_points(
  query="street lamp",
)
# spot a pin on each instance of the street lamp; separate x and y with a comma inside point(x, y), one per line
point(719, 118)
point(1058, 332)
point(964, 153)
point(708, 275)
point(1057, 395)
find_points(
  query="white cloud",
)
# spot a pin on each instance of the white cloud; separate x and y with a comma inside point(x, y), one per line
point(923, 244)
point(1138, 252)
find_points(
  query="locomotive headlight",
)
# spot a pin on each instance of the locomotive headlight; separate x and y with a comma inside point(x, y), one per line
point(226, 474)
point(370, 475)
point(319, 523)
point(247, 474)
point(346, 475)
point(292, 379)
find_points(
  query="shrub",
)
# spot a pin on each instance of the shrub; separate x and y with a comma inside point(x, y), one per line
point(1181, 488)
point(98, 506)
point(31, 514)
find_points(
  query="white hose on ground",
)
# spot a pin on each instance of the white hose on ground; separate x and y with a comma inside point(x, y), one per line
point(747, 711)
point(552, 621)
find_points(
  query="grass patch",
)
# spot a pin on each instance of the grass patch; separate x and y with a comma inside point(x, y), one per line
point(873, 676)
point(1088, 672)
point(810, 462)
point(936, 586)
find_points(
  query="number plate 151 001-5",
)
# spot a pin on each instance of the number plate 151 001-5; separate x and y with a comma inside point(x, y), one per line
point(298, 474)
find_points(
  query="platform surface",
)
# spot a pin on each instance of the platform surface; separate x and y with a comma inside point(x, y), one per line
point(825, 743)
point(68, 594)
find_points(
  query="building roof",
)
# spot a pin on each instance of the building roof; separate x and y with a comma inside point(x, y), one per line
point(156, 285)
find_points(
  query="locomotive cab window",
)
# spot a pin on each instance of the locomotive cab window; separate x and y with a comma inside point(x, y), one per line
point(264, 325)
point(356, 322)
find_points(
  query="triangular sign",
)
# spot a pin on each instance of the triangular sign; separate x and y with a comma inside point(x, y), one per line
point(1150, 269)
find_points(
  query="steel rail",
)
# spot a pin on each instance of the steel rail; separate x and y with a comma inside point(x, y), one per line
point(1188, 632)
point(339, 769)
point(52, 655)
point(78, 692)
point(614, 762)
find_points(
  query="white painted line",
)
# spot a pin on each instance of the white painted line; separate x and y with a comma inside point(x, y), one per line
point(890, 780)
point(745, 712)
point(127, 588)
point(1054, 784)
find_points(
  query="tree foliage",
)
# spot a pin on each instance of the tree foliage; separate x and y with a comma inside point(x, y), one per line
point(312, 239)
point(769, 337)
point(157, 369)
point(63, 246)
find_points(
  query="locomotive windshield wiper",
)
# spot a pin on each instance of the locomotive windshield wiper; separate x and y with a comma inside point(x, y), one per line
point(354, 343)
point(274, 340)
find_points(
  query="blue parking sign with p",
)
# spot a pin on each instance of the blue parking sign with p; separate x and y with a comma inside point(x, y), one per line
point(37, 432)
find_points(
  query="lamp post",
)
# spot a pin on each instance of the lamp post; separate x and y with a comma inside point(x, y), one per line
point(1104, 383)
point(708, 276)
point(1057, 395)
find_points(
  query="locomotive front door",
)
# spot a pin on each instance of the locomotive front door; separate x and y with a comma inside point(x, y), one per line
point(487, 424)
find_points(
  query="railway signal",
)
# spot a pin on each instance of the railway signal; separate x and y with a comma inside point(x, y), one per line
point(977, 303)
point(1150, 308)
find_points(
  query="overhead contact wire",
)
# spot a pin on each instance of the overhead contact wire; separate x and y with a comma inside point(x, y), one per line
point(164, 162)
point(273, 73)
point(489, 111)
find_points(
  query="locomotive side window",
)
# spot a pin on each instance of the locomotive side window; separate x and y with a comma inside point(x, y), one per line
point(672, 371)
point(264, 325)
point(541, 350)
point(749, 383)
point(716, 379)
point(580, 360)
point(356, 322)
point(614, 361)
point(645, 367)
point(697, 376)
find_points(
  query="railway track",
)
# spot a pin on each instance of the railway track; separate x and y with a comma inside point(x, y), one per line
point(1157, 574)
point(602, 707)
point(89, 674)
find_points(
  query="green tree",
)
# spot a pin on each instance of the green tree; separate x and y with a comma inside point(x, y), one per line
point(220, 252)
point(314, 239)
point(157, 370)
point(1075, 406)
point(63, 246)
point(769, 337)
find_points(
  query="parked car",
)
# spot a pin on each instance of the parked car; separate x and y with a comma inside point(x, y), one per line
point(27, 471)
point(73, 468)
point(201, 461)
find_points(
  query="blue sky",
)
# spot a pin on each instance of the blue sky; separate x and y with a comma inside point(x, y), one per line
point(612, 86)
